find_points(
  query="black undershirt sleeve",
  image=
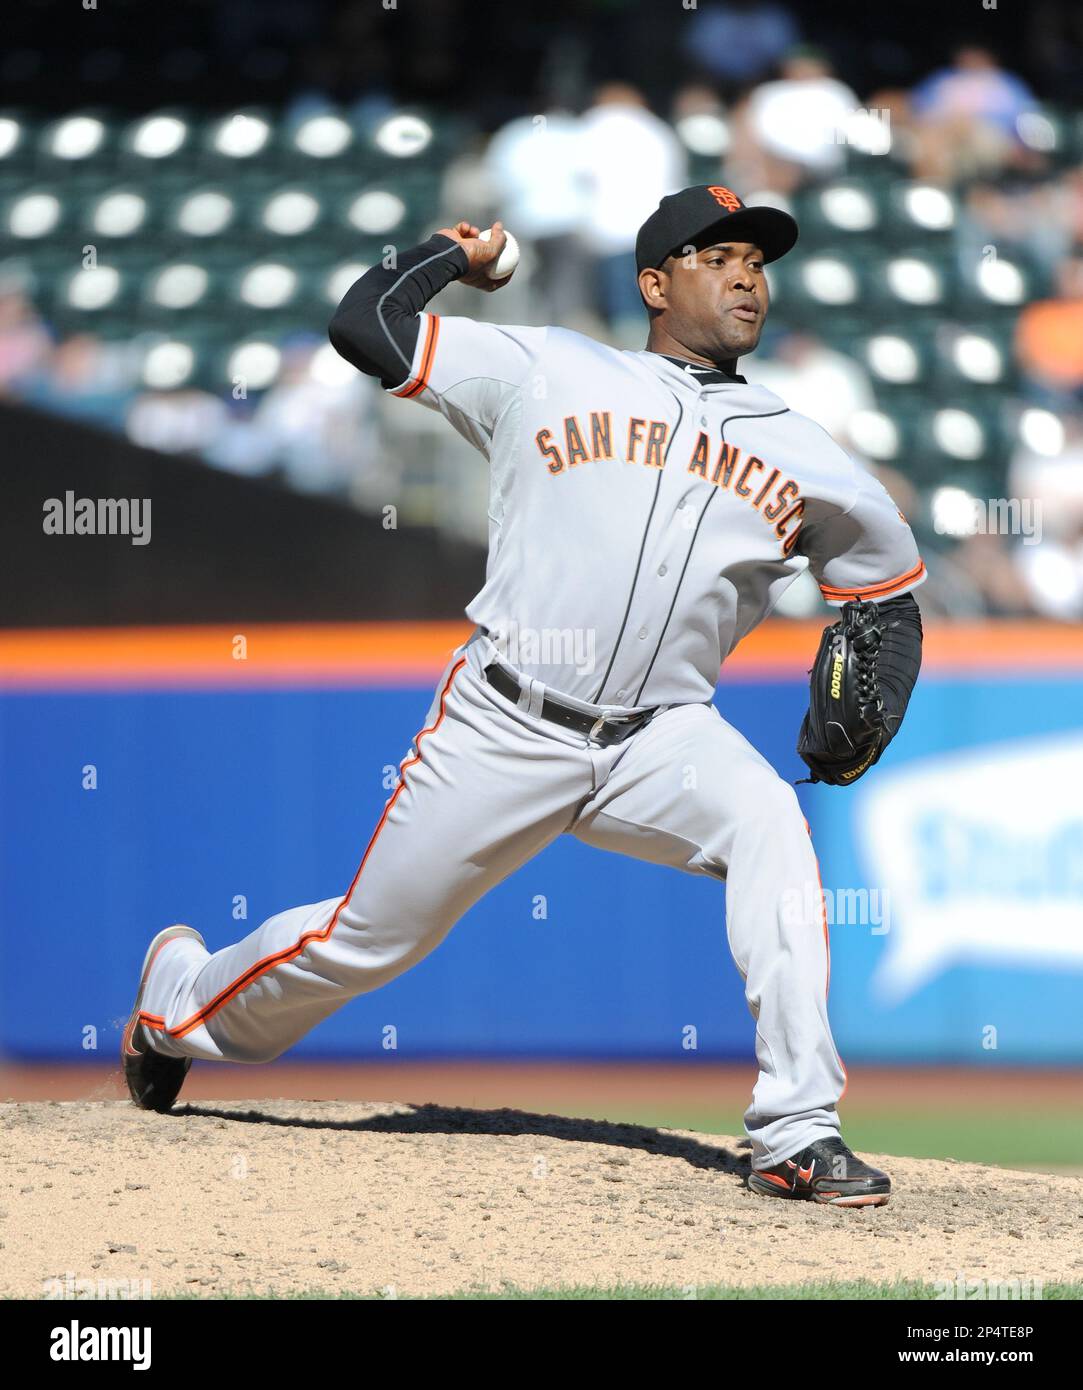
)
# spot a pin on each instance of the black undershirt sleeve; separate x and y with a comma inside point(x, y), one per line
point(376, 326)
point(900, 657)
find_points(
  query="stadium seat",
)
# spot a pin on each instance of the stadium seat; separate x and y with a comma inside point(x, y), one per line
point(265, 285)
point(159, 141)
point(841, 209)
point(180, 289)
point(89, 292)
point(318, 142)
point(121, 212)
point(1051, 132)
point(230, 141)
point(831, 285)
point(974, 359)
point(251, 364)
point(287, 212)
point(401, 136)
point(202, 212)
point(71, 140)
point(35, 214)
point(896, 355)
point(919, 215)
point(376, 211)
point(18, 141)
point(912, 281)
point(996, 282)
point(885, 434)
point(957, 438)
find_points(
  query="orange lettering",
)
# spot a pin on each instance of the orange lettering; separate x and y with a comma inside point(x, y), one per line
point(780, 530)
point(600, 434)
point(768, 485)
point(635, 437)
point(727, 462)
point(742, 489)
point(786, 494)
point(549, 451)
point(656, 438)
point(698, 461)
point(573, 442)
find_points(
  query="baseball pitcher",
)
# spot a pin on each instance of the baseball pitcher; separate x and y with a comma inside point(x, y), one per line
point(647, 510)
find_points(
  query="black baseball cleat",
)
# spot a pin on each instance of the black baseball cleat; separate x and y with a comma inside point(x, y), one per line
point(824, 1172)
point(154, 1080)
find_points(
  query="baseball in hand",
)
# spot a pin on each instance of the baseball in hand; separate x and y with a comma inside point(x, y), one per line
point(508, 259)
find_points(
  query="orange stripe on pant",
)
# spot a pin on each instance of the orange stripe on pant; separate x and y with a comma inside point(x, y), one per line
point(827, 948)
point(291, 952)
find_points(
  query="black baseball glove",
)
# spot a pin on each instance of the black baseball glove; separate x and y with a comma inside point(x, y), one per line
point(844, 731)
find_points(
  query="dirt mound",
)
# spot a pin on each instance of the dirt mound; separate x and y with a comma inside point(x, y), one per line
point(275, 1196)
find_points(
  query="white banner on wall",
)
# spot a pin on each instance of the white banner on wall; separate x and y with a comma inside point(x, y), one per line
point(981, 852)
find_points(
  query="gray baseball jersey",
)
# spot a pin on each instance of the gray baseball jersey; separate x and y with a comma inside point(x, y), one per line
point(641, 522)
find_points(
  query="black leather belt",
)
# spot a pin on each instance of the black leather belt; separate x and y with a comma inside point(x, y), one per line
point(605, 729)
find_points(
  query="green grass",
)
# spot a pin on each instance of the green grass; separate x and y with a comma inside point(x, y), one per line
point(1032, 1137)
point(1023, 1138)
point(861, 1290)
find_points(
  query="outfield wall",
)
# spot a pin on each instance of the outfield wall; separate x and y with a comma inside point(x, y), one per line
point(228, 789)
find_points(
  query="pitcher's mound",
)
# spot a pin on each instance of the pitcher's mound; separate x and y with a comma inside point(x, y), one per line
point(284, 1196)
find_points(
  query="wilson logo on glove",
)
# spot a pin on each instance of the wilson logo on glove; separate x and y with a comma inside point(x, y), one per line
point(843, 733)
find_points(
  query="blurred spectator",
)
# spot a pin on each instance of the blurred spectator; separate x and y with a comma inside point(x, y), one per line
point(313, 424)
point(1052, 571)
point(794, 130)
point(825, 385)
point(1042, 220)
point(1049, 337)
point(539, 192)
point(84, 378)
point(1052, 575)
point(24, 342)
point(176, 422)
point(966, 118)
point(630, 160)
point(703, 125)
point(739, 41)
point(575, 189)
point(985, 573)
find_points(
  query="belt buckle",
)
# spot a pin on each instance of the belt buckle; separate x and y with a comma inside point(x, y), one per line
point(596, 727)
point(618, 719)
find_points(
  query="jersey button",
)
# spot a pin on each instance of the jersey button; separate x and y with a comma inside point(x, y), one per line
point(663, 569)
point(642, 633)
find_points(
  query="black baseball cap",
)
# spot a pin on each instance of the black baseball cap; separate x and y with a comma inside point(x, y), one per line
point(681, 219)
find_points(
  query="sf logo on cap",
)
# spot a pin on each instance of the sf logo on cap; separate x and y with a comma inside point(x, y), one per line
point(725, 198)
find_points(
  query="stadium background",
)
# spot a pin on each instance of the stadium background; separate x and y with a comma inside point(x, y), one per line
point(184, 197)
